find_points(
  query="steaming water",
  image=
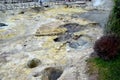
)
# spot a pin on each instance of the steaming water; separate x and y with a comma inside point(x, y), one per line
point(97, 2)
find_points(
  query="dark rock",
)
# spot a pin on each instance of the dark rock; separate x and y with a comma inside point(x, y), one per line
point(82, 43)
point(63, 37)
point(72, 27)
point(74, 45)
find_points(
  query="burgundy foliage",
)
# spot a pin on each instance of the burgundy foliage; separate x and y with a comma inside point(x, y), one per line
point(107, 47)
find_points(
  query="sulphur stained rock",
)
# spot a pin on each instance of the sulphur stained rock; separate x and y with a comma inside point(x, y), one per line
point(33, 63)
point(50, 29)
point(50, 52)
point(6, 34)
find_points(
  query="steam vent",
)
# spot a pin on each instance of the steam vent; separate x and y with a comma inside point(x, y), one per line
point(50, 39)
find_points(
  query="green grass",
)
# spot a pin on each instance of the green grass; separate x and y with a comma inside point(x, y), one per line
point(106, 70)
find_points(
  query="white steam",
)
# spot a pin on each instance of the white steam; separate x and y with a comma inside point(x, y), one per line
point(97, 2)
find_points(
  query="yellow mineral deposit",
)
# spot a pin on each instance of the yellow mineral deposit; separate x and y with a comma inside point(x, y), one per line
point(51, 52)
point(63, 10)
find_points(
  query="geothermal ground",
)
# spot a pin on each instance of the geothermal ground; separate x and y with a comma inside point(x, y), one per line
point(49, 43)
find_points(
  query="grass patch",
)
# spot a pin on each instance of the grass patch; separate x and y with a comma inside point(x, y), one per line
point(106, 70)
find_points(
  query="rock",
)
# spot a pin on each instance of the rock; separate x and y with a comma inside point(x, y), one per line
point(33, 63)
point(77, 44)
point(51, 29)
point(72, 27)
point(74, 45)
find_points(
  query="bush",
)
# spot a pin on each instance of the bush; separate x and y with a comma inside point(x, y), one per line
point(107, 47)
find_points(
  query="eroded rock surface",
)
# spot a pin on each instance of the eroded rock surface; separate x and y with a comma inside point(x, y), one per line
point(62, 50)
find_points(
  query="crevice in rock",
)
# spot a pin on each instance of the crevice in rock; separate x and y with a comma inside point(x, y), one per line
point(53, 73)
point(49, 73)
point(51, 34)
point(22, 12)
point(3, 24)
point(63, 37)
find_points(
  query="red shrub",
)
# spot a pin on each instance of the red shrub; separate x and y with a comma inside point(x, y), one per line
point(107, 47)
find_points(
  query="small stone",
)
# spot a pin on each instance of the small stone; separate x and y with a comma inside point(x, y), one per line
point(33, 63)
